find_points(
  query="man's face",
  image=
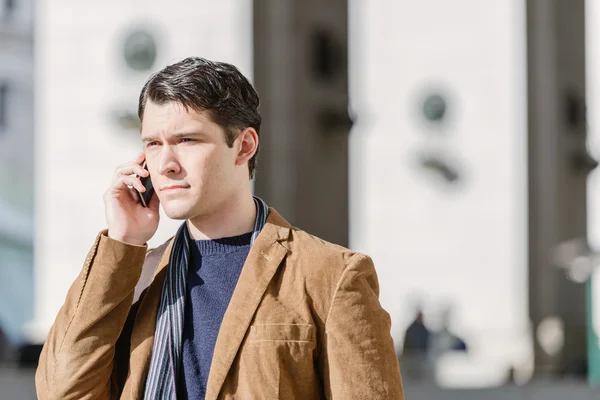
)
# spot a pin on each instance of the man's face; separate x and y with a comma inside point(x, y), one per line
point(192, 168)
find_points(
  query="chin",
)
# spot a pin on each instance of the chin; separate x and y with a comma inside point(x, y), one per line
point(177, 211)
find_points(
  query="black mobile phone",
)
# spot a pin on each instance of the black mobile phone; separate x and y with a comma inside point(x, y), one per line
point(144, 198)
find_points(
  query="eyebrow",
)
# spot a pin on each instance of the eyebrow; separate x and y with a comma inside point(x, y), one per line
point(175, 135)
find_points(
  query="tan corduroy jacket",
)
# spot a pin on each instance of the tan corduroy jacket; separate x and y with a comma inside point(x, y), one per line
point(304, 323)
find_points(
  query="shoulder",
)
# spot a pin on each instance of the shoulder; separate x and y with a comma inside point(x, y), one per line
point(310, 255)
point(321, 272)
point(324, 265)
point(319, 251)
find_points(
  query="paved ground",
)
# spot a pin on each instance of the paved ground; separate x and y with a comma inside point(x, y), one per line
point(19, 385)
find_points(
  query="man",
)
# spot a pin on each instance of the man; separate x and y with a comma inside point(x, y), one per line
point(240, 305)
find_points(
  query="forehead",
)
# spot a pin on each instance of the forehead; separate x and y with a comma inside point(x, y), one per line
point(173, 117)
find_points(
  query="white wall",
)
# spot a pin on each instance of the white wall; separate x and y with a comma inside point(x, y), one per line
point(465, 244)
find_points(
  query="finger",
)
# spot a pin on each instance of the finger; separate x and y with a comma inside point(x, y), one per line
point(129, 181)
point(138, 161)
point(130, 169)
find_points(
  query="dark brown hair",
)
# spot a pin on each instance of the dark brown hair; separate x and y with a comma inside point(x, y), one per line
point(204, 85)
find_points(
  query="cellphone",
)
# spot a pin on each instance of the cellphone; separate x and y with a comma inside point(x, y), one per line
point(144, 198)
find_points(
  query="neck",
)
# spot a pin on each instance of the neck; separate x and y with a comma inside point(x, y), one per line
point(233, 218)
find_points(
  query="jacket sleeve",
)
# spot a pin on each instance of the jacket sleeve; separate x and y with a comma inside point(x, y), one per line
point(77, 359)
point(358, 359)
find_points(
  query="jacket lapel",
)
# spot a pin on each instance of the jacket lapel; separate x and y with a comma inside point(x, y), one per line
point(142, 337)
point(263, 260)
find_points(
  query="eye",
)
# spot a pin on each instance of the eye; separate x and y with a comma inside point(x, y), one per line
point(187, 140)
point(151, 144)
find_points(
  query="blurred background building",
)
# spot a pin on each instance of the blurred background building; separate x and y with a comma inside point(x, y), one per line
point(453, 141)
point(16, 168)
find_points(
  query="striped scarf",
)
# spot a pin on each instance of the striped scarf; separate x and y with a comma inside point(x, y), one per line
point(166, 354)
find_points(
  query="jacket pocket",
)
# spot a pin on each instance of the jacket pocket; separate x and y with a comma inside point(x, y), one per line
point(293, 333)
point(276, 362)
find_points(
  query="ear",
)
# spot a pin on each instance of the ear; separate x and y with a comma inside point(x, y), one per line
point(247, 145)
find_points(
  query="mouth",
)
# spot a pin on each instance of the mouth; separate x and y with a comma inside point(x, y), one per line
point(174, 188)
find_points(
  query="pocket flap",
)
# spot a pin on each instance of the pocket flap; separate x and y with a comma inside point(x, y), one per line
point(282, 332)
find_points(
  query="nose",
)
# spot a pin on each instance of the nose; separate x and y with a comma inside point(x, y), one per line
point(167, 163)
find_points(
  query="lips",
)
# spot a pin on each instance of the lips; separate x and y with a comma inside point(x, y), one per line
point(173, 188)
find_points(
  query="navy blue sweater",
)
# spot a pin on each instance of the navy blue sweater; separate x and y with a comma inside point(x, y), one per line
point(213, 272)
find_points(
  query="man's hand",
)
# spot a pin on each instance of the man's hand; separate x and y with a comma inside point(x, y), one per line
point(128, 221)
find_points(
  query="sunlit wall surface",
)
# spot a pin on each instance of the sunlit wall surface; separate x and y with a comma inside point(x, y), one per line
point(16, 167)
point(92, 59)
point(438, 172)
